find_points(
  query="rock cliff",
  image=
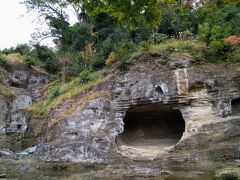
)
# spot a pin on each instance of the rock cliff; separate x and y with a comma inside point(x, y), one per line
point(20, 87)
point(166, 111)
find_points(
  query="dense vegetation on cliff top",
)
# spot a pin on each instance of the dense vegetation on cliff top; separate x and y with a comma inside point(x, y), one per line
point(110, 32)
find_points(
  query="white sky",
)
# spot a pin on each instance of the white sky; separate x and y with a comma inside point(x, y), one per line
point(16, 25)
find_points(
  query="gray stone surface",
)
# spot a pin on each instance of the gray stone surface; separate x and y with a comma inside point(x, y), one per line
point(202, 94)
point(18, 93)
point(88, 134)
point(3, 114)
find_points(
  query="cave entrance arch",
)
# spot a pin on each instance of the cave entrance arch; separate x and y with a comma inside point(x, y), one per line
point(151, 129)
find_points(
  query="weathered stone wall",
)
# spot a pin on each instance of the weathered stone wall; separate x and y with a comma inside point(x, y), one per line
point(17, 92)
point(202, 93)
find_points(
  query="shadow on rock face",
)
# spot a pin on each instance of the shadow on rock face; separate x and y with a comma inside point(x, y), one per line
point(152, 128)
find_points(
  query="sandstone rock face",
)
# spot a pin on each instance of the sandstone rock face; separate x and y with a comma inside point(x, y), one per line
point(202, 95)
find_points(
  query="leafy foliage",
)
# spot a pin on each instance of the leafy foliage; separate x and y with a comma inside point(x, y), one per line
point(3, 62)
point(141, 11)
point(111, 58)
point(176, 18)
point(218, 21)
point(47, 58)
point(158, 38)
point(109, 31)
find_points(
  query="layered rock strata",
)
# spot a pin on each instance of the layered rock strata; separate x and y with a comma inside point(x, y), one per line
point(202, 94)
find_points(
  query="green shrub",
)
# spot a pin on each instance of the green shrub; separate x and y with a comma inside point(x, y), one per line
point(204, 32)
point(76, 66)
point(218, 21)
point(85, 77)
point(145, 45)
point(234, 56)
point(3, 62)
point(217, 50)
point(30, 61)
point(142, 34)
point(98, 62)
point(112, 58)
point(124, 49)
point(55, 93)
point(176, 18)
point(47, 58)
point(23, 49)
point(186, 34)
point(158, 38)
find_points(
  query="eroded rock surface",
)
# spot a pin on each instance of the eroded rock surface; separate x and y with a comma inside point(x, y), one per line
point(203, 94)
point(16, 94)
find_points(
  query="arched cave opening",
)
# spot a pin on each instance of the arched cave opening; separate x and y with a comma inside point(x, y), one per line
point(236, 106)
point(151, 128)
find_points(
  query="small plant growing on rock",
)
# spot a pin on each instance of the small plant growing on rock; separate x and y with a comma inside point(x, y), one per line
point(7, 92)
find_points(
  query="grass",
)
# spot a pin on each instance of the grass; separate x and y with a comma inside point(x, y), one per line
point(1, 80)
point(7, 92)
point(65, 92)
point(80, 103)
point(191, 47)
point(14, 58)
point(165, 49)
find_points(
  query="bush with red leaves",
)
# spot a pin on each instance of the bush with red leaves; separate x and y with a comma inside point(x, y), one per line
point(233, 40)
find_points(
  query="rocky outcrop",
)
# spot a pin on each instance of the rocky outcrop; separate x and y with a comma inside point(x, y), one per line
point(17, 92)
point(202, 93)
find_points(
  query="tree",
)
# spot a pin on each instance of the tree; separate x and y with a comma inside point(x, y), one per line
point(217, 21)
point(130, 14)
point(56, 8)
point(23, 49)
point(177, 18)
point(47, 57)
point(64, 60)
point(55, 13)
point(82, 38)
